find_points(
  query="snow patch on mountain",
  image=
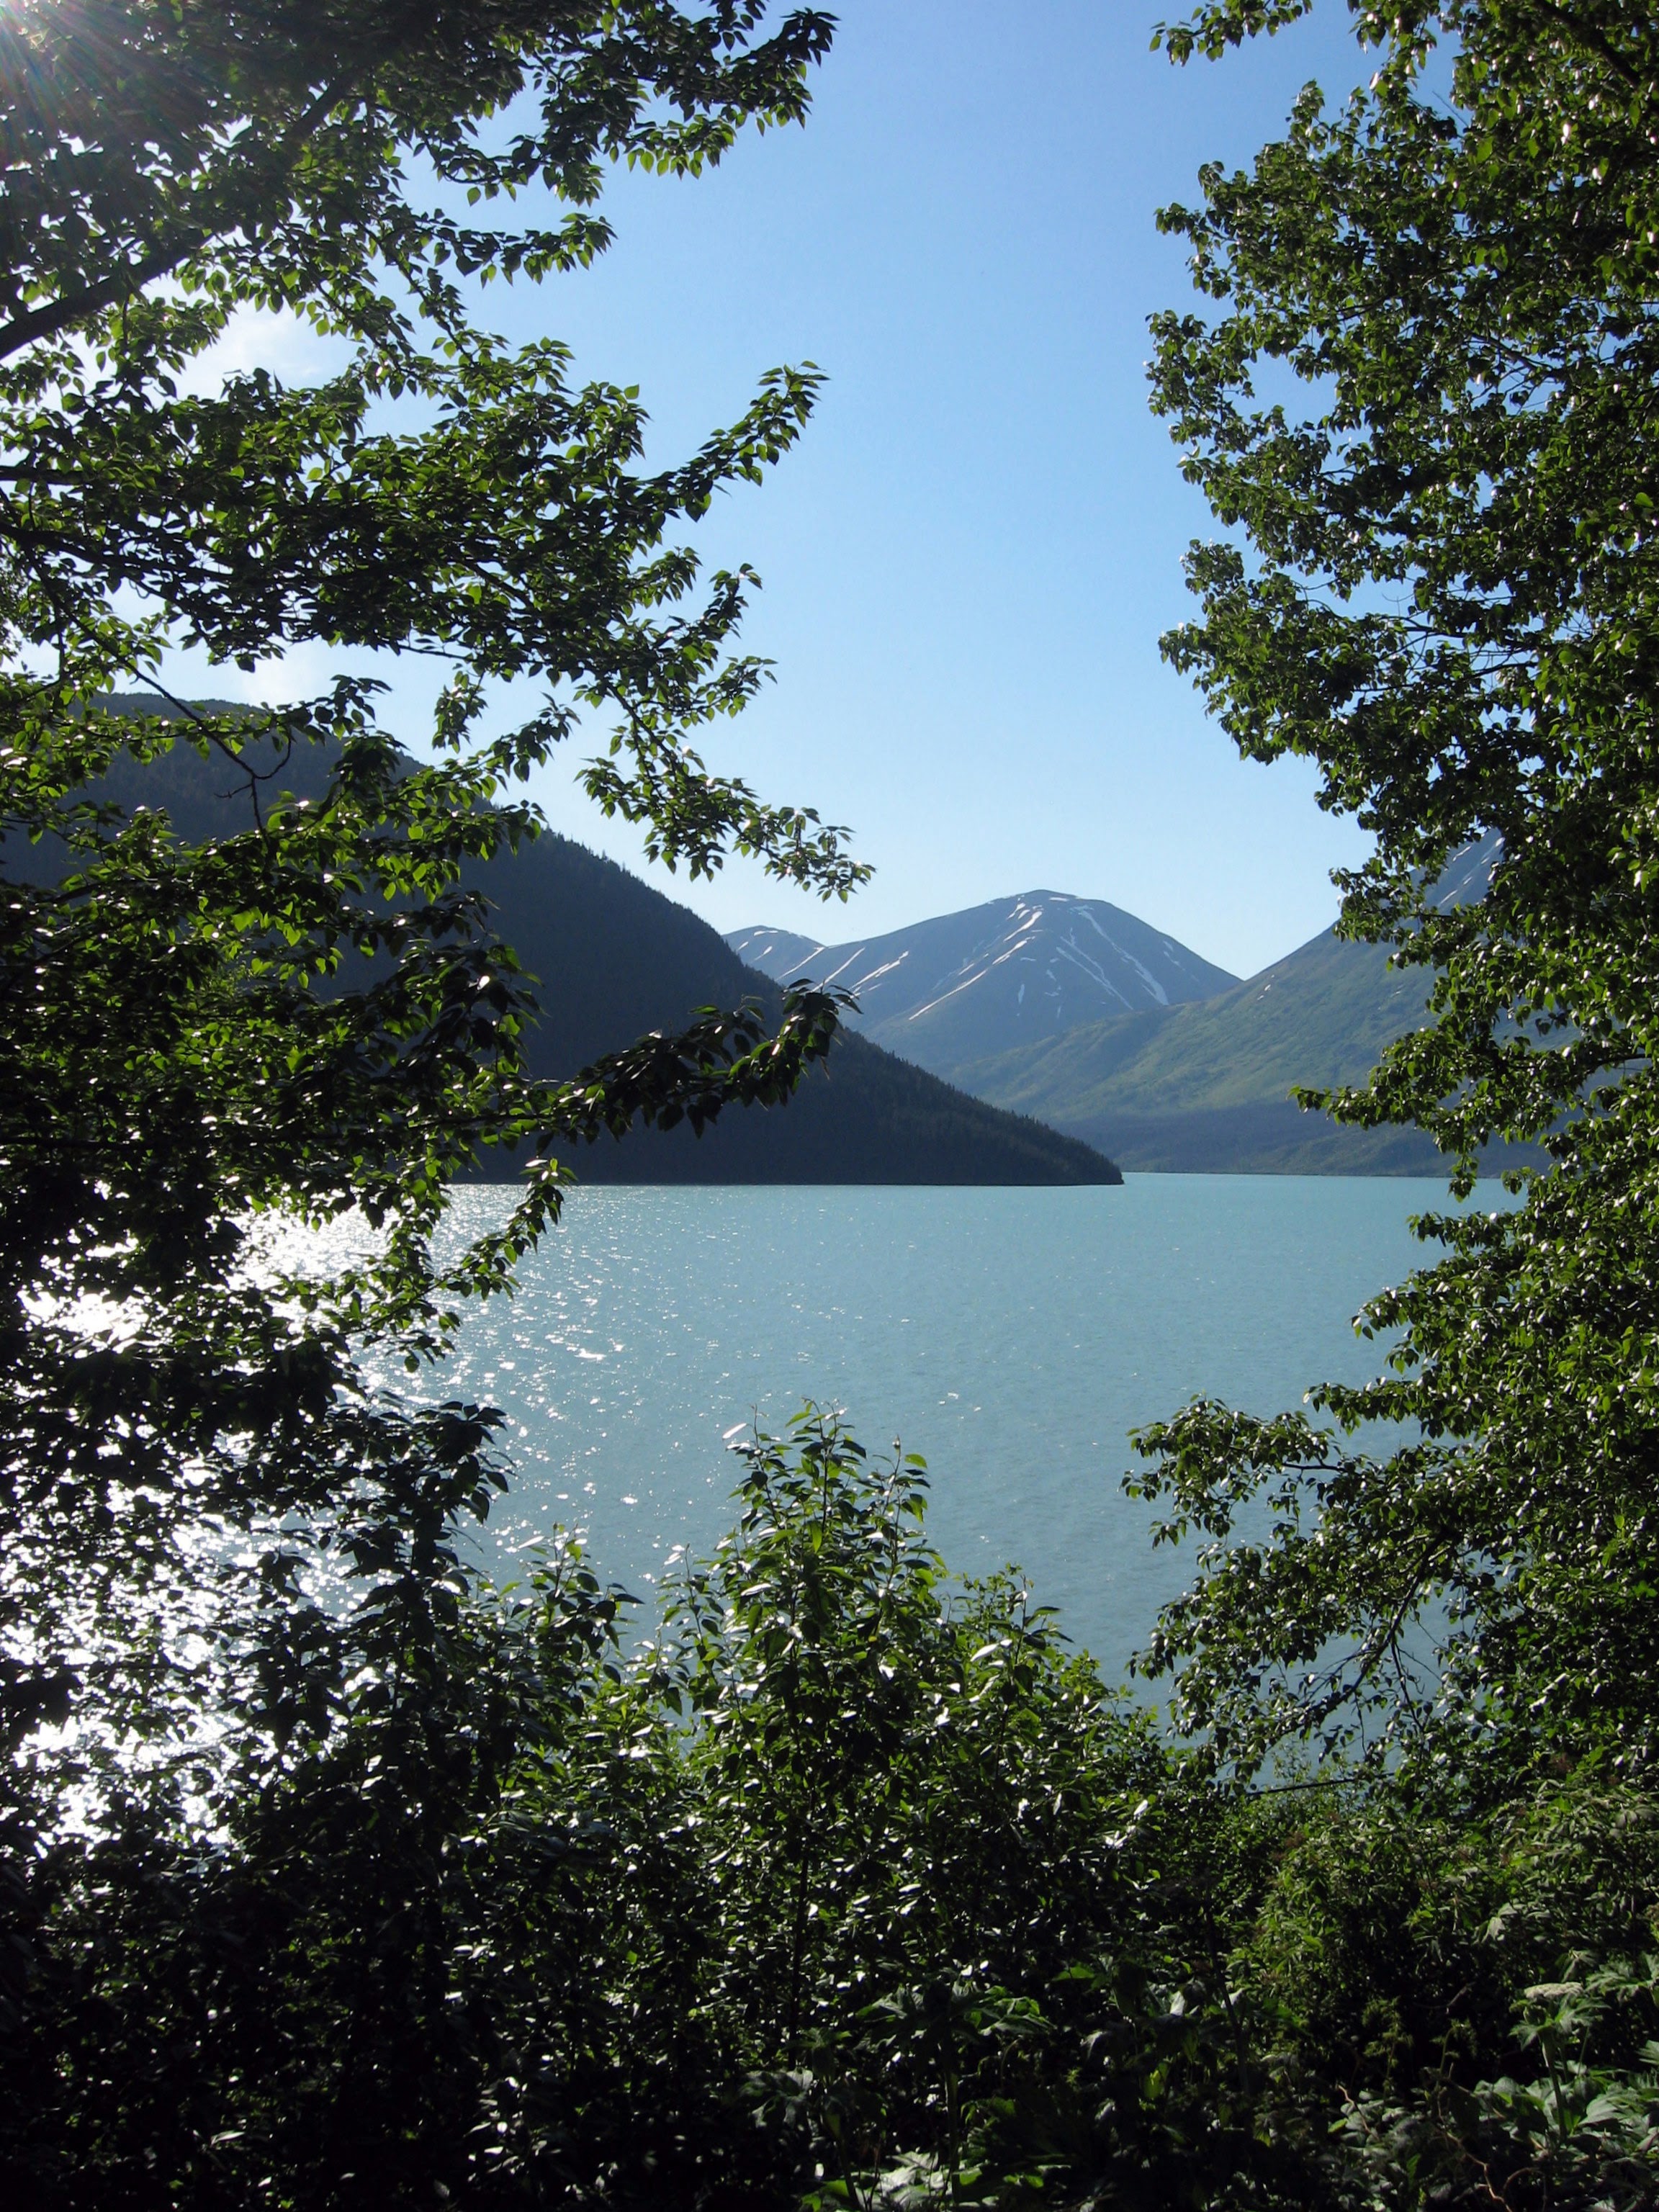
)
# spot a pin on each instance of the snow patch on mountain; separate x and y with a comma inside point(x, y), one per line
point(958, 986)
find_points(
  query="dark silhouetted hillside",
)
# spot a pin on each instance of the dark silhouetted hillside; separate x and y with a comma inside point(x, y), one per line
point(613, 960)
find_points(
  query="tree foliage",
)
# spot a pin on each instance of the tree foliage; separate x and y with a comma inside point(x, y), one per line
point(1423, 399)
point(852, 1886)
point(780, 1901)
point(310, 1016)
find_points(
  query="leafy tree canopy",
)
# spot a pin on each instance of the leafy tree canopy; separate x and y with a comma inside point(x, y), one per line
point(310, 1016)
point(1423, 401)
point(851, 1888)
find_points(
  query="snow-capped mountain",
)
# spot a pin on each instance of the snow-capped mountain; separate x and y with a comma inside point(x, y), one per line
point(960, 986)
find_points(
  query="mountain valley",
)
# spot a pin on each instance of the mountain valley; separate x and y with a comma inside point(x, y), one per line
point(613, 960)
point(1080, 1014)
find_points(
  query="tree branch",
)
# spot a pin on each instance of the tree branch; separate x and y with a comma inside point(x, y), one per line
point(64, 313)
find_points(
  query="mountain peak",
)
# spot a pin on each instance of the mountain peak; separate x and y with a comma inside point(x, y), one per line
point(961, 986)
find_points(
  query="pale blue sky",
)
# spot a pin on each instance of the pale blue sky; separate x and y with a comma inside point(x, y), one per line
point(969, 560)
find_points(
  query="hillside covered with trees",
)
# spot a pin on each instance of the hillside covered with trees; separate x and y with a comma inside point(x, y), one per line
point(608, 960)
point(1206, 1088)
point(1036, 1005)
point(334, 1875)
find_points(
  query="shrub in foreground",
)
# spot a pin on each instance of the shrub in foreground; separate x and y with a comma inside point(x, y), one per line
point(852, 1886)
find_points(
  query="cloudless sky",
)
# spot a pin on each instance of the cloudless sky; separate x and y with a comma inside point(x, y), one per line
point(969, 560)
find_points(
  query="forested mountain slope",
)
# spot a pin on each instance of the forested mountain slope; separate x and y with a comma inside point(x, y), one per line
point(1206, 1087)
point(1193, 1076)
point(1152, 1053)
point(614, 959)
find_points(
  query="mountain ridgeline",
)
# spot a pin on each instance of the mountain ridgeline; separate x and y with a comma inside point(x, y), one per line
point(955, 988)
point(617, 959)
point(614, 960)
point(1205, 1087)
point(1076, 1012)
point(1036, 1040)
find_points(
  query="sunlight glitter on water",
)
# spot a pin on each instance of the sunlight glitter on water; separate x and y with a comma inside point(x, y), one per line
point(1014, 1337)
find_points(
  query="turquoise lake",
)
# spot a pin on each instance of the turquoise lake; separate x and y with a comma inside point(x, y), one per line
point(1012, 1337)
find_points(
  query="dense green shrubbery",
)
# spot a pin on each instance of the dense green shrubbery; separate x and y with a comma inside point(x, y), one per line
point(852, 1886)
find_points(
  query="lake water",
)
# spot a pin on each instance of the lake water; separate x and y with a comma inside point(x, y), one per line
point(1014, 1337)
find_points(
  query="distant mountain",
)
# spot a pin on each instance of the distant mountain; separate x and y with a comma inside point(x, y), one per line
point(614, 959)
point(953, 991)
point(617, 959)
point(1205, 1087)
point(780, 953)
point(1194, 1078)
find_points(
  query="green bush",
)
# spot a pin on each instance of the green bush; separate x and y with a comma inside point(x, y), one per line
point(851, 1886)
